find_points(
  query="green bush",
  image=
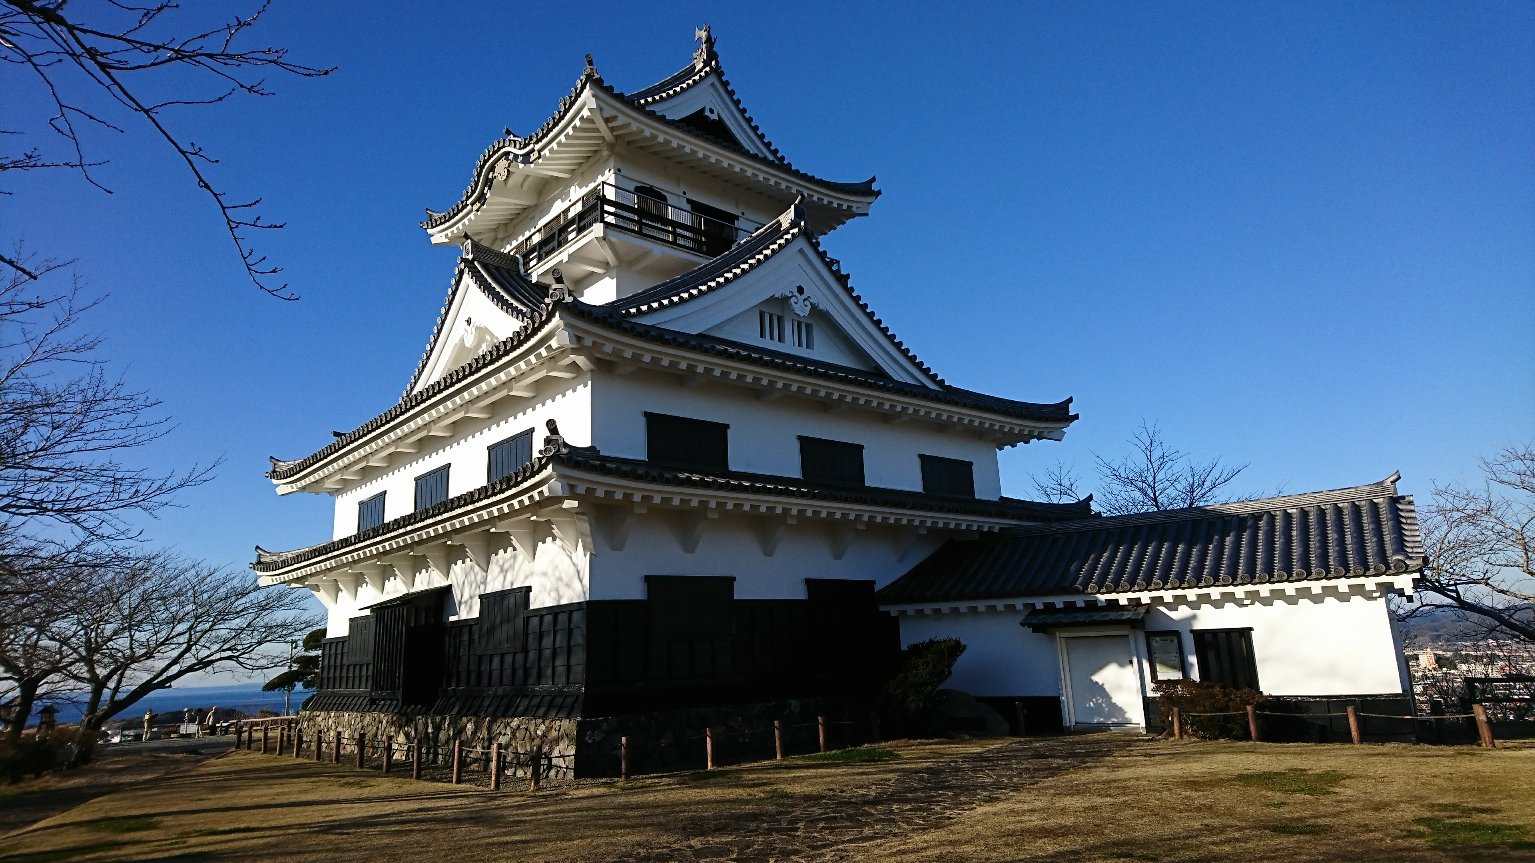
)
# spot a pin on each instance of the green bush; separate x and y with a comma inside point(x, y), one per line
point(1193, 697)
point(923, 667)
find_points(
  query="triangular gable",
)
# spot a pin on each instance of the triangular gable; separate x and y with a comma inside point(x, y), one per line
point(788, 276)
point(700, 97)
point(489, 300)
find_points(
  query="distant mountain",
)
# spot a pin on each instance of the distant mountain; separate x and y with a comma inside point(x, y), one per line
point(1432, 626)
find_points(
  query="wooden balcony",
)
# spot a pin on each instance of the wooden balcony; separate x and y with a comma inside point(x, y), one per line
point(637, 214)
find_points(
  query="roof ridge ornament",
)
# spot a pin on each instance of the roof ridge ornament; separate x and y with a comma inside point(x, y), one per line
point(795, 215)
point(554, 442)
point(704, 55)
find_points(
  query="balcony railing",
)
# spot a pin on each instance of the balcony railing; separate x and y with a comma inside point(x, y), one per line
point(640, 214)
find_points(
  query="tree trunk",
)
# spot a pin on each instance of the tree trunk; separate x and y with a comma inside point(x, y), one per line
point(89, 731)
point(26, 696)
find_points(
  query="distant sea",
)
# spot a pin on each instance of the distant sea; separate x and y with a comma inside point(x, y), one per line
point(246, 697)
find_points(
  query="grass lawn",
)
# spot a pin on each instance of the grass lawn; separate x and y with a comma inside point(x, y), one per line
point(1092, 798)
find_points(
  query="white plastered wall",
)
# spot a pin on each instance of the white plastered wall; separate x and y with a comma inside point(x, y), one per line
point(1304, 645)
point(764, 435)
point(467, 450)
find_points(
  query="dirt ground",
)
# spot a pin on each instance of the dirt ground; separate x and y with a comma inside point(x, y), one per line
point(1090, 797)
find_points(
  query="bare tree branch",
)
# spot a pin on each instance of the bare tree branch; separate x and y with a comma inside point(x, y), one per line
point(1156, 476)
point(117, 52)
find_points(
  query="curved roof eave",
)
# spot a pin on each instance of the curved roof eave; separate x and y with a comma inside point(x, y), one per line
point(525, 150)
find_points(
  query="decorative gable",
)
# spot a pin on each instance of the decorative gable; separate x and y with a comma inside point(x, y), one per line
point(490, 300)
point(788, 299)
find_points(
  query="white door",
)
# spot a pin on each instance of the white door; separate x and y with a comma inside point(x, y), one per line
point(1104, 687)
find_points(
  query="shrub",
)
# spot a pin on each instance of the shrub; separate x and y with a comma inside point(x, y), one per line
point(1193, 697)
point(923, 667)
point(28, 757)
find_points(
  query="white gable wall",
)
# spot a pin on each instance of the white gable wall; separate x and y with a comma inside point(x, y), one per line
point(474, 323)
point(710, 95)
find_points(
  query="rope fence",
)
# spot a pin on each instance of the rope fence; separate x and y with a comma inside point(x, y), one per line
point(453, 762)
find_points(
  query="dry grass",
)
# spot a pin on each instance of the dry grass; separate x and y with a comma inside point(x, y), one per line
point(1142, 801)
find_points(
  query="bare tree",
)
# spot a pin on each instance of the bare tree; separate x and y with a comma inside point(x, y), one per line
point(1480, 542)
point(106, 66)
point(1153, 476)
point(65, 421)
point(152, 621)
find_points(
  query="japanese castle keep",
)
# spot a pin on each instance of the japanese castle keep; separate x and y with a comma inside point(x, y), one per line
point(661, 466)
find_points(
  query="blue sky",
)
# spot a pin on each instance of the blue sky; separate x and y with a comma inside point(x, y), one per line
point(1296, 235)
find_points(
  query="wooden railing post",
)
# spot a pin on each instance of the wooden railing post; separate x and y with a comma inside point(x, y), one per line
point(457, 759)
point(388, 755)
point(282, 738)
point(820, 730)
point(623, 759)
point(335, 755)
point(1353, 723)
point(319, 747)
point(362, 749)
point(1023, 719)
point(1483, 727)
point(1177, 724)
point(708, 748)
point(495, 766)
point(778, 739)
point(238, 730)
point(298, 741)
point(536, 766)
point(264, 727)
point(415, 758)
point(1252, 722)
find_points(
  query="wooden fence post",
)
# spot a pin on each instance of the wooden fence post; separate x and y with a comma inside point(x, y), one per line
point(1483, 728)
point(1023, 719)
point(1177, 724)
point(778, 739)
point(495, 766)
point(238, 729)
point(1252, 722)
point(388, 755)
point(250, 737)
point(1353, 723)
point(536, 766)
point(708, 748)
point(282, 738)
point(335, 755)
point(415, 758)
point(820, 730)
point(457, 759)
point(298, 741)
point(623, 759)
point(319, 746)
point(264, 727)
point(362, 749)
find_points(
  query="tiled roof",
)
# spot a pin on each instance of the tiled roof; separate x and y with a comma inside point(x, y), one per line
point(500, 277)
point(1343, 533)
point(1039, 412)
point(524, 148)
point(706, 62)
point(765, 485)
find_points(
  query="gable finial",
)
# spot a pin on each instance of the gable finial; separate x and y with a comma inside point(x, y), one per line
point(468, 246)
point(705, 51)
point(590, 64)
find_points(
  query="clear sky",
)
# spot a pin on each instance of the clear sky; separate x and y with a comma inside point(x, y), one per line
point(1296, 235)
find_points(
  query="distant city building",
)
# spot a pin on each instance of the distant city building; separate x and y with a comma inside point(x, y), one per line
point(661, 465)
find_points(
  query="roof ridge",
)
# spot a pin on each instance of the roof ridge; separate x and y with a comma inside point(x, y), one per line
point(1379, 488)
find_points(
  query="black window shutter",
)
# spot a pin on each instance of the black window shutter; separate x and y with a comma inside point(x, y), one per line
point(831, 461)
point(503, 619)
point(1226, 657)
point(370, 512)
point(359, 639)
point(509, 455)
point(687, 442)
point(948, 476)
point(432, 488)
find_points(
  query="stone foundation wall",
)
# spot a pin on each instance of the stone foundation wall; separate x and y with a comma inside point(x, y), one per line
point(437, 733)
